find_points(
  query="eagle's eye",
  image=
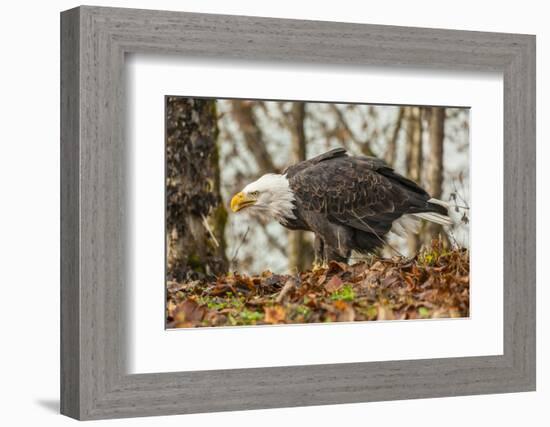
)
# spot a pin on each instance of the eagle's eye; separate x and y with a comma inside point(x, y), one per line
point(255, 193)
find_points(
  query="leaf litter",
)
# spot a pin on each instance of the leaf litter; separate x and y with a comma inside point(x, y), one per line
point(434, 284)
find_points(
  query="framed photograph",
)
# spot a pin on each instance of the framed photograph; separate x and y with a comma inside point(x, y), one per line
point(261, 213)
point(338, 235)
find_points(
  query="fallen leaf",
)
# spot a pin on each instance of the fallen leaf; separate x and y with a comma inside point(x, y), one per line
point(170, 308)
point(289, 285)
point(346, 314)
point(321, 279)
point(377, 266)
point(188, 311)
point(274, 314)
point(390, 280)
point(335, 267)
point(334, 284)
point(385, 313)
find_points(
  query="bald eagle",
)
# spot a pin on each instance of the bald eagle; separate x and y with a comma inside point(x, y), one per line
point(349, 203)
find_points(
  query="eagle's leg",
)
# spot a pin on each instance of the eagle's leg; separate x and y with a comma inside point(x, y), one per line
point(335, 254)
point(319, 253)
point(338, 248)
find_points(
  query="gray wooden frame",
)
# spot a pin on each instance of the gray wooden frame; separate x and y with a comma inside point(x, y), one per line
point(94, 41)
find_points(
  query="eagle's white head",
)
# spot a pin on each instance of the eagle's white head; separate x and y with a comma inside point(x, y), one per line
point(269, 196)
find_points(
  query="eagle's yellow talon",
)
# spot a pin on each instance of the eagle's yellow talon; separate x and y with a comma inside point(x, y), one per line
point(317, 266)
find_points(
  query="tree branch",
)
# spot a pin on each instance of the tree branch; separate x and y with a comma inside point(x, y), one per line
point(392, 143)
point(242, 112)
point(364, 146)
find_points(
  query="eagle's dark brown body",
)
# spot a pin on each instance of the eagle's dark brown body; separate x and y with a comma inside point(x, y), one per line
point(350, 203)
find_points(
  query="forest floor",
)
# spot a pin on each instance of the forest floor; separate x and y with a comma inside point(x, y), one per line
point(434, 284)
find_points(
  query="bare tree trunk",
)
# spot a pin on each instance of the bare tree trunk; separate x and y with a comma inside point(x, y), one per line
point(195, 214)
point(298, 153)
point(243, 113)
point(299, 250)
point(392, 143)
point(434, 175)
point(414, 159)
point(414, 144)
point(435, 159)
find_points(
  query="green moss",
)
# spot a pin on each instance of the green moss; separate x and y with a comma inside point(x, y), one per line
point(250, 317)
point(424, 312)
point(346, 293)
point(231, 320)
point(431, 256)
point(214, 305)
point(219, 303)
point(303, 310)
point(372, 312)
point(195, 262)
point(427, 258)
point(219, 219)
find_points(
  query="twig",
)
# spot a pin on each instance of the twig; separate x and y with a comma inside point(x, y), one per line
point(239, 247)
point(392, 144)
point(364, 146)
point(458, 194)
point(377, 236)
point(253, 135)
point(290, 284)
point(272, 240)
point(459, 207)
point(453, 239)
point(207, 226)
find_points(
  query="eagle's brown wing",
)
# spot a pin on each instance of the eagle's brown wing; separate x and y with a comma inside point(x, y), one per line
point(358, 192)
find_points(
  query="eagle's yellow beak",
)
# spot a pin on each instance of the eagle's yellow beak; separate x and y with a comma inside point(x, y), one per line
point(241, 201)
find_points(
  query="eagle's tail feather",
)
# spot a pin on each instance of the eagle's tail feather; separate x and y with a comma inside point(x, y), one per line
point(405, 225)
point(439, 202)
point(435, 217)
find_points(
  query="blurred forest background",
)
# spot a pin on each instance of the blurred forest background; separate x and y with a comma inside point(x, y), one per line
point(216, 147)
